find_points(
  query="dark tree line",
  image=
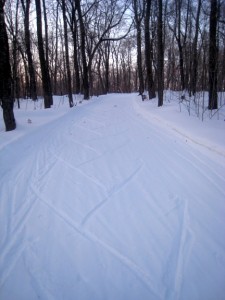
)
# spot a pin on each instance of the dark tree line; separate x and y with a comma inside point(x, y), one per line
point(95, 47)
point(184, 45)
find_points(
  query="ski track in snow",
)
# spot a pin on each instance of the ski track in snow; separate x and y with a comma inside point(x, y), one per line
point(14, 242)
point(177, 130)
point(65, 162)
point(204, 173)
point(43, 172)
point(87, 235)
point(115, 190)
point(52, 156)
point(180, 253)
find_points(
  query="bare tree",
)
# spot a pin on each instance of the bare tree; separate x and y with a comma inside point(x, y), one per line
point(195, 51)
point(6, 96)
point(74, 29)
point(69, 82)
point(105, 24)
point(87, 46)
point(32, 93)
point(149, 51)
point(213, 56)
point(12, 19)
point(180, 29)
point(83, 50)
point(160, 54)
point(46, 42)
point(138, 17)
point(46, 82)
point(55, 49)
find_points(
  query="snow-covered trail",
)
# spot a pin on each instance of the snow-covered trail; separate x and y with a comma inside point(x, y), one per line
point(104, 204)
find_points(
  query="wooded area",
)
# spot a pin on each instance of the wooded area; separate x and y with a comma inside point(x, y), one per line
point(96, 47)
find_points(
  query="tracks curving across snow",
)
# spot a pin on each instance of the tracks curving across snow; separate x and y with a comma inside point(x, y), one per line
point(105, 204)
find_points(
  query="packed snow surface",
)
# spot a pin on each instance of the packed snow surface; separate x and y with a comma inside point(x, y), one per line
point(113, 199)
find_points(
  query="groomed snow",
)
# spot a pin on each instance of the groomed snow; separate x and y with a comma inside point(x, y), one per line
point(113, 199)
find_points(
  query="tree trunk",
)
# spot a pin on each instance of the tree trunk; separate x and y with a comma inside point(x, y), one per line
point(46, 82)
point(55, 83)
point(160, 55)
point(25, 75)
point(195, 51)
point(139, 61)
point(149, 52)
point(107, 53)
point(213, 56)
point(83, 51)
point(181, 64)
point(75, 52)
point(138, 16)
point(69, 85)
point(32, 92)
point(47, 47)
point(15, 56)
point(6, 97)
point(180, 44)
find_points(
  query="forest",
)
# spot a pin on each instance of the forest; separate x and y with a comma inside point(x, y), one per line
point(94, 47)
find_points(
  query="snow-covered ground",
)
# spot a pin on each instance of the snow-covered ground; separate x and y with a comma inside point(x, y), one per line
point(112, 199)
